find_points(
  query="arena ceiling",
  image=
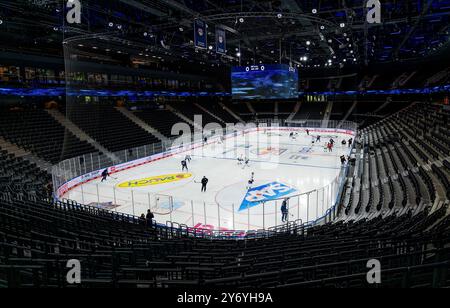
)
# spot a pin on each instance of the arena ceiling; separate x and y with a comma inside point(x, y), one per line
point(308, 33)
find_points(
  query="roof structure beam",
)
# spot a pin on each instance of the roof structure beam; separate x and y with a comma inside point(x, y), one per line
point(293, 5)
point(413, 28)
point(144, 7)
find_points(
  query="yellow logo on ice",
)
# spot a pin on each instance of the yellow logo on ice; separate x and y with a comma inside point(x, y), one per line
point(156, 180)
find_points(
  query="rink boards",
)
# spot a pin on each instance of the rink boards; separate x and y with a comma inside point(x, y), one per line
point(221, 197)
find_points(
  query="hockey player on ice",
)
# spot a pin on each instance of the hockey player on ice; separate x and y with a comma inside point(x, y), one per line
point(251, 181)
point(246, 163)
point(188, 158)
point(204, 183)
point(184, 166)
point(293, 136)
point(240, 160)
point(105, 175)
point(332, 141)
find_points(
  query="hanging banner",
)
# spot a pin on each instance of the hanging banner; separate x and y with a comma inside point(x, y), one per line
point(200, 34)
point(221, 41)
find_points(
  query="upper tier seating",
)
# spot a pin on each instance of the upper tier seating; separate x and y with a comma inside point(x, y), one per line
point(190, 110)
point(109, 127)
point(217, 110)
point(160, 119)
point(311, 111)
point(37, 131)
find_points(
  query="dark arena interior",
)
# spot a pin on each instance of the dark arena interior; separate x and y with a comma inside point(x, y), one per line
point(224, 144)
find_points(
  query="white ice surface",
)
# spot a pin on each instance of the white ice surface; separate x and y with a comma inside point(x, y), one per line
point(298, 163)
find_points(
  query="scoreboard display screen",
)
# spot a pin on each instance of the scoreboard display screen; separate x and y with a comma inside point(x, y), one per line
point(264, 82)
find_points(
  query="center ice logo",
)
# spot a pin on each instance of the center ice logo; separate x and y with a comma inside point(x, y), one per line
point(269, 151)
point(264, 193)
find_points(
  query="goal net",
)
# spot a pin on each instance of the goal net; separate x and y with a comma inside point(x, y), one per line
point(162, 204)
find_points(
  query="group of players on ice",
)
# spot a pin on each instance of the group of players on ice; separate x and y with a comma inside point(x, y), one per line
point(245, 162)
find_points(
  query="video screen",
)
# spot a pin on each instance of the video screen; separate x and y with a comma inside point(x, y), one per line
point(264, 82)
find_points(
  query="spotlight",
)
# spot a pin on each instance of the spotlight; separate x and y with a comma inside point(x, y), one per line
point(241, 20)
point(342, 25)
point(238, 54)
point(145, 33)
point(280, 15)
point(111, 24)
point(314, 11)
point(181, 29)
point(210, 48)
point(308, 43)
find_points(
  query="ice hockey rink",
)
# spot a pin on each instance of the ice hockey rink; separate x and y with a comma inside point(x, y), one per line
point(295, 169)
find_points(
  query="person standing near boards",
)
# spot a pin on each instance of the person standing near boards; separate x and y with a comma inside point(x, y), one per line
point(284, 211)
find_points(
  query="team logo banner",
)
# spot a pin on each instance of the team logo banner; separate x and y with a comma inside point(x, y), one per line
point(221, 41)
point(200, 35)
point(264, 193)
point(156, 180)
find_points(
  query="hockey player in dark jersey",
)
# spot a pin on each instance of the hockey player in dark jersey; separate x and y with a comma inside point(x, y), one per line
point(184, 166)
point(105, 175)
point(204, 183)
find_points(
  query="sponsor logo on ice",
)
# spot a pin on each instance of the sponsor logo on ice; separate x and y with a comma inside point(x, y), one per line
point(264, 193)
point(156, 180)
